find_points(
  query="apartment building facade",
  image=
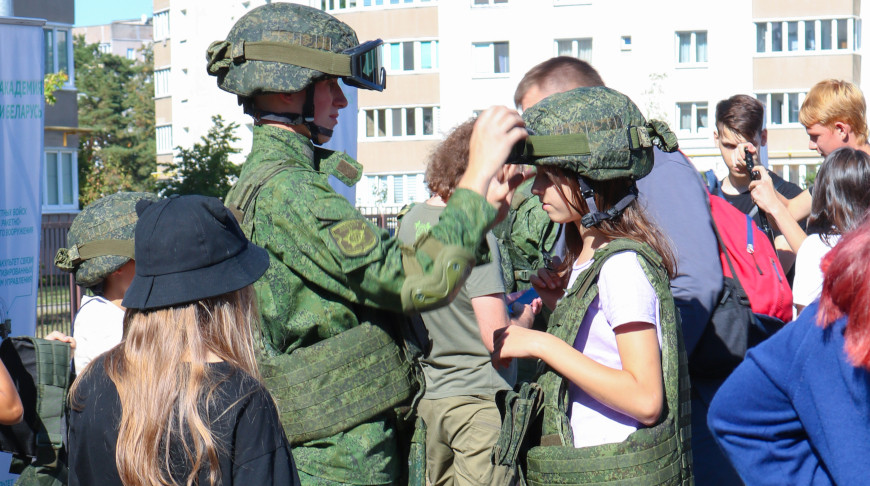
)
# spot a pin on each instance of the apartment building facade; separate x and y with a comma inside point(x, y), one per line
point(124, 38)
point(448, 60)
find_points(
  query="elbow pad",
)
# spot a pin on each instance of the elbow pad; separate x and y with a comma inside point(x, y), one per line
point(425, 291)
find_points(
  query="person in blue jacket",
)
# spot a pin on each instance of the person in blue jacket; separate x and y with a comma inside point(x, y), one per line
point(797, 410)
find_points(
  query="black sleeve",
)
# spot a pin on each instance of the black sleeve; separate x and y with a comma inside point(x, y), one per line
point(262, 453)
point(788, 189)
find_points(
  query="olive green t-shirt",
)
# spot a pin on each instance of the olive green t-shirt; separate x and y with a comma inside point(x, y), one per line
point(458, 363)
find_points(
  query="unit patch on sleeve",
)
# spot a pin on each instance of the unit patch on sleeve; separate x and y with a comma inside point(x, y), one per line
point(354, 238)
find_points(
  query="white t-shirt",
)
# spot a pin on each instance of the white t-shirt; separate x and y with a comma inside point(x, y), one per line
point(624, 295)
point(98, 327)
point(807, 274)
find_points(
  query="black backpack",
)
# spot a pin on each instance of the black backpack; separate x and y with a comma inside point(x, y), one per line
point(41, 372)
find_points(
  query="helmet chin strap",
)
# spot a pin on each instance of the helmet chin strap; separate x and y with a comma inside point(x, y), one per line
point(594, 216)
point(306, 118)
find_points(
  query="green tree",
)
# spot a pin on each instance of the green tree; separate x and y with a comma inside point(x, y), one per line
point(116, 103)
point(205, 168)
point(52, 83)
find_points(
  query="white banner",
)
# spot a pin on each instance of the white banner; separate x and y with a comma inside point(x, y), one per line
point(21, 151)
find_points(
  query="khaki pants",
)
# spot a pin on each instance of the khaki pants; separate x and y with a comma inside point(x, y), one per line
point(460, 434)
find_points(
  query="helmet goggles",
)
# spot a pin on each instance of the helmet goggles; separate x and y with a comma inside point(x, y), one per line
point(359, 66)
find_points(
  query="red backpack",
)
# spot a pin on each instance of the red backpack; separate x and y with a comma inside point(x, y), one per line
point(753, 259)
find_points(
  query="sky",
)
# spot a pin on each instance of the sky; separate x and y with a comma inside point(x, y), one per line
point(98, 12)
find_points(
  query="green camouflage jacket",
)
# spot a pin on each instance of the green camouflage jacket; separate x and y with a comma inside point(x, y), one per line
point(332, 270)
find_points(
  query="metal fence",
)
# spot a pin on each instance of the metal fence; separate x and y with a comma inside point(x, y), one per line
point(387, 220)
point(57, 298)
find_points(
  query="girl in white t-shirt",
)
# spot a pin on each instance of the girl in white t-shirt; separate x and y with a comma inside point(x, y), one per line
point(841, 196)
point(614, 367)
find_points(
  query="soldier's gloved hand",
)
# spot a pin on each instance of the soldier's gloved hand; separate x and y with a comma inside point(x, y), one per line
point(495, 133)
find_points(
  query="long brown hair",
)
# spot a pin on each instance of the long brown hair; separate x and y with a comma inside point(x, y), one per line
point(633, 223)
point(841, 193)
point(161, 374)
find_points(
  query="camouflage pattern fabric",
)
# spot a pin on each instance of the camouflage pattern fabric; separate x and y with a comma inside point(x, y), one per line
point(111, 217)
point(277, 22)
point(660, 454)
point(620, 139)
point(321, 283)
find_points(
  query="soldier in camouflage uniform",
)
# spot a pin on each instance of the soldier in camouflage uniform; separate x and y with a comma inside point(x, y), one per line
point(615, 385)
point(335, 283)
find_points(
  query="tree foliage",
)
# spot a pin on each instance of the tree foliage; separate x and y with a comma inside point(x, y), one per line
point(52, 83)
point(206, 168)
point(116, 103)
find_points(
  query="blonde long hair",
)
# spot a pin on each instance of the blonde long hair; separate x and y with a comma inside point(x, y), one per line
point(161, 374)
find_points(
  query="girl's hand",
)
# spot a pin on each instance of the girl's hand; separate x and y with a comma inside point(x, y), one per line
point(516, 342)
point(59, 336)
point(549, 285)
point(502, 185)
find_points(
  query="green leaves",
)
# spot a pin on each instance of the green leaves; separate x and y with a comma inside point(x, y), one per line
point(115, 101)
point(205, 168)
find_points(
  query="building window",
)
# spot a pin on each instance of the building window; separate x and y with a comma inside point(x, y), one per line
point(59, 52)
point(409, 56)
point(491, 57)
point(330, 5)
point(579, 48)
point(692, 118)
point(161, 82)
point(801, 36)
point(60, 180)
point(782, 109)
point(692, 47)
point(625, 43)
point(161, 25)
point(480, 3)
point(392, 191)
point(164, 139)
point(105, 48)
point(399, 122)
point(131, 54)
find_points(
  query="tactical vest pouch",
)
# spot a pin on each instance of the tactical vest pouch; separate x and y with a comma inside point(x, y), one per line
point(40, 370)
point(338, 383)
point(647, 456)
point(519, 408)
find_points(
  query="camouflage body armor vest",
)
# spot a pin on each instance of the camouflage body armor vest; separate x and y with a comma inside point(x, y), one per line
point(344, 380)
point(660, 454)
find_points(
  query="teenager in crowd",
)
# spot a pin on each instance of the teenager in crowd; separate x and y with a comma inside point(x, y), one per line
point(840, 201)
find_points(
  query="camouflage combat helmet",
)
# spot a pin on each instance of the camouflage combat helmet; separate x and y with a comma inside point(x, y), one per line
point(285, 48)
point(597, 133)
point(101, 238)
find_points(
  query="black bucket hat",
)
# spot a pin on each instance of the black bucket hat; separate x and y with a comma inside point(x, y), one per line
point(190, 248)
